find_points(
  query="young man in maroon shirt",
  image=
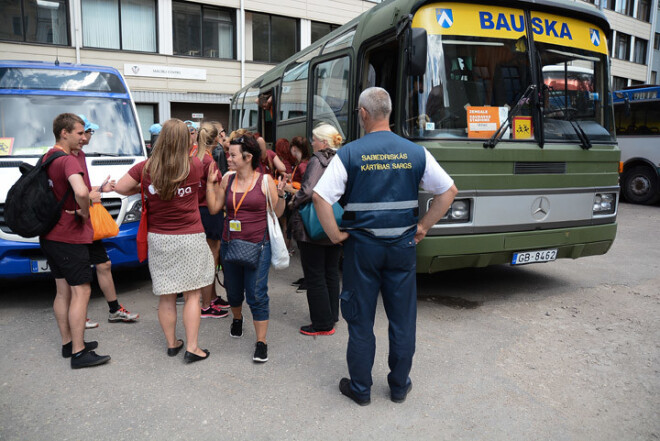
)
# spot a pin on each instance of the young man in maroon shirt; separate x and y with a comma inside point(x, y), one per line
point(66, 246)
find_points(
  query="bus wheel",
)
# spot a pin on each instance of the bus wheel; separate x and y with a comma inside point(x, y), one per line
point(640, 185)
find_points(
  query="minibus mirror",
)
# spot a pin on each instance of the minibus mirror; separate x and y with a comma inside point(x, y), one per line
point(417, 52)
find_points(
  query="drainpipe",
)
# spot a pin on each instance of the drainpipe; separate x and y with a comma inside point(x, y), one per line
point(77, 21)
point(242, 43)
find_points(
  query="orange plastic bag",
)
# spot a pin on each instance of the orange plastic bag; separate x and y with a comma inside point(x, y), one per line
point(102, 222)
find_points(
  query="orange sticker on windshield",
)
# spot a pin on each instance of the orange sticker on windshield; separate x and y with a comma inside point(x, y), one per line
point(483, 122)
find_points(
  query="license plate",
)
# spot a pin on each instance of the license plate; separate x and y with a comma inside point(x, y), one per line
point(39, 266)
point(524, 257)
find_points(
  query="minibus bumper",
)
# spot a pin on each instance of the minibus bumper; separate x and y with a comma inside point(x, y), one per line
point(17, 258)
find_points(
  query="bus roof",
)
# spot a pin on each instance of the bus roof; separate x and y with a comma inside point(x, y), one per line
point(49, 65)
point(641, 93)
point(371, 23)
point(22, 77)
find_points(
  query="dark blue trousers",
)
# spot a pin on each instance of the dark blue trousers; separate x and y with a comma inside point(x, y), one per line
point(369, 268)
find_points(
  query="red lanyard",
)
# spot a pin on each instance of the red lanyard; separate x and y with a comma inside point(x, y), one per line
point(233, 193)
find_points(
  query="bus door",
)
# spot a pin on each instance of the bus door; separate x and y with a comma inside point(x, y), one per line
point(380, 68)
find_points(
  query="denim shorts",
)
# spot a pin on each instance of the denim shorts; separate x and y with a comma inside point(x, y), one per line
point(251, 285)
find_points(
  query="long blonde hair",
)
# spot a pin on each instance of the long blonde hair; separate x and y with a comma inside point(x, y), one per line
point(206, 139)
point(169, 164)
point(326, 132)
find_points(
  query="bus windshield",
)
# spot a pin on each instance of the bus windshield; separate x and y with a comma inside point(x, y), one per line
point(26, 124)
point(480, 73)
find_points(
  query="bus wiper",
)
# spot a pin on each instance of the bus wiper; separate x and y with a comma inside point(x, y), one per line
point(524, 99)
point(569, 116)
point(114, 155)
point(585, 143)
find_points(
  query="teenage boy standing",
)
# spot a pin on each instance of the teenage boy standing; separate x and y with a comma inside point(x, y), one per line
point(66, 246)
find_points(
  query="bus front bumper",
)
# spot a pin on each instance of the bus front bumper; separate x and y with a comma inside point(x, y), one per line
point(436, 253)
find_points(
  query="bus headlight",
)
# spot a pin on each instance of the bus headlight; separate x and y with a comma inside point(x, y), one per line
point(459, 211)
point(134, 212)
point(604, 203)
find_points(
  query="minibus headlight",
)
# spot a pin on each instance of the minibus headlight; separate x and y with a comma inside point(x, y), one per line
point(604, 203)
point(134, 212)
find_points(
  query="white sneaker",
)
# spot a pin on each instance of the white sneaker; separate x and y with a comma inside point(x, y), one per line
point(90, 324)
point(121, 315)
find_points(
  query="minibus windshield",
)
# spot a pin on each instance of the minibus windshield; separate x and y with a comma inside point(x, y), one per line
point(26, 124)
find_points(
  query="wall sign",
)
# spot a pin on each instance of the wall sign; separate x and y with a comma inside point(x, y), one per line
point(150, 70)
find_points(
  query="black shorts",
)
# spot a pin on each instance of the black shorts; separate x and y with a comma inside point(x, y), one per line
point(97, 253)
point(213, 223)
point(69, 261)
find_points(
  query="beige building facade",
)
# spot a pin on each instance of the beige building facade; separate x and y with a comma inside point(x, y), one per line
point(180, 59)
point(186, 59)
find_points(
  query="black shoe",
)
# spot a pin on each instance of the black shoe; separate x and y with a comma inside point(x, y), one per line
point(67, 348)
point(402, 398)
point(179, 299)
point(298, 282)
point(172, 352)
point(85, 359)
point(260, 352)
point(189, 357)
point(236, 329)
point(311, 330)
point(345, 389)
point(302, 287)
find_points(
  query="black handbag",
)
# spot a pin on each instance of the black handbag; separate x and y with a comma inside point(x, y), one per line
point(244, 253)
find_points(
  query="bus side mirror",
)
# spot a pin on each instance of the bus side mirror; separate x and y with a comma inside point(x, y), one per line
point(417, 52)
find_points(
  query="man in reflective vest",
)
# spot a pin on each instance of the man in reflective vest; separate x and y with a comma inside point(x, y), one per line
point(376, 179)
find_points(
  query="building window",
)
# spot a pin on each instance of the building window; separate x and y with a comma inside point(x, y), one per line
point(656, 42)
point(644, 10)
point(622, 48)
point(274, 38)
point(641, 46)
point(204, 31)
point(120, 24)
point(654, 77)
point(35, 21)
point(619, 83)
point(624, 7)
point(321, 29)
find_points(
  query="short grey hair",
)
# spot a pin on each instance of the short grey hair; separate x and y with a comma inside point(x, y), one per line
point(377, 102)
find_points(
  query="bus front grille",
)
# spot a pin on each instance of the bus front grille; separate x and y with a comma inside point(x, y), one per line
point(539, 168)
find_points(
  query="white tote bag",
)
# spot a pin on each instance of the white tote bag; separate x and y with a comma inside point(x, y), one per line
point(279, 254)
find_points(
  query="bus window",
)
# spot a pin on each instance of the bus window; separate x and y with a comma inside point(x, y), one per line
point(293, 99)
point(466, 71)
point(343, 41)
point(331, 94)
point(576, 83)
point(250, 119)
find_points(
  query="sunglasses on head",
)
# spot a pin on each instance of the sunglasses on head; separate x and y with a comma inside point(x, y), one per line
point(240, 140)
point(90, 131)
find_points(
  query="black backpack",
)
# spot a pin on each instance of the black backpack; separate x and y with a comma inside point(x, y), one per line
point(31, 208)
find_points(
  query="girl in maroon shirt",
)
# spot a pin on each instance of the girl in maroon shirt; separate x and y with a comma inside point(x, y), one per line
point(242, 194)
point(179, 257)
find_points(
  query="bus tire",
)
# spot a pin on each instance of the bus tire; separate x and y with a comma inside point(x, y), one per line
point(640, 185)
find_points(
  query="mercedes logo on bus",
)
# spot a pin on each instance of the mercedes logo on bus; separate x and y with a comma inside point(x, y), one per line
point(540, 208)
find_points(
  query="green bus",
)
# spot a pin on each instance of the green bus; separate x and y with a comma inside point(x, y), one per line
point(536, 162)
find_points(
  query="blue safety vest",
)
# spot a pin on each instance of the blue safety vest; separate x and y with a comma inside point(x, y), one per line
point(384, 172)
